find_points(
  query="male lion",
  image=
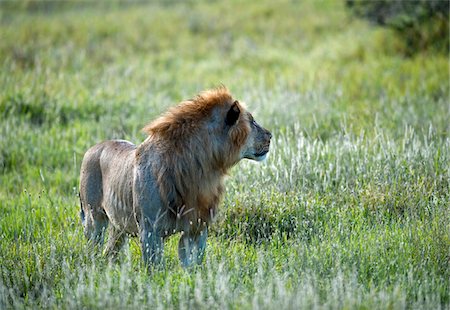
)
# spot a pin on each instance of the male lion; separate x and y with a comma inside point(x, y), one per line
point(173, 181)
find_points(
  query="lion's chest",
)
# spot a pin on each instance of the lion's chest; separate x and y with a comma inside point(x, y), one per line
point(197, 209)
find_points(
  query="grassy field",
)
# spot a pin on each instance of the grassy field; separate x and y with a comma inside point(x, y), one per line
point(351, 209)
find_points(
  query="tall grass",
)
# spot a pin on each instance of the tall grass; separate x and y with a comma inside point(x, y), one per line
point(350, 210)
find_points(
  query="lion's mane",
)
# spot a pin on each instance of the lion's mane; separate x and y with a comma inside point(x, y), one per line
point(195, 151)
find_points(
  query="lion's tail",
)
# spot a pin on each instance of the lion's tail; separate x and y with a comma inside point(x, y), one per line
point(82, 216)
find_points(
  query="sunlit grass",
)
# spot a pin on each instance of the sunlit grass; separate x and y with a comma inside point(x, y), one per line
point(350, 210)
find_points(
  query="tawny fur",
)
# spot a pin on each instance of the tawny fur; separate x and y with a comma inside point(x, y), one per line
point(171, 182)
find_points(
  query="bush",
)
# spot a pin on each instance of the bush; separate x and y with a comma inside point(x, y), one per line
point(422, 24)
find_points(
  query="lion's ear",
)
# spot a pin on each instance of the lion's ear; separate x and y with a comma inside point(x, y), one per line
point(233, 114)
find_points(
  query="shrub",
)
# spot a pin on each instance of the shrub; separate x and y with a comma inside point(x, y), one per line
point(422, 24)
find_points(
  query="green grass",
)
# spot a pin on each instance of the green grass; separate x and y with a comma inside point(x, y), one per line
point(351, 209)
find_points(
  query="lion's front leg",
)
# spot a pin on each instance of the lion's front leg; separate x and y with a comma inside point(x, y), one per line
point(150, 216)
point(152, 245)
point(191, 247)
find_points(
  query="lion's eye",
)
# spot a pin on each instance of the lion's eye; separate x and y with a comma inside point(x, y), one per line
point(253, 122)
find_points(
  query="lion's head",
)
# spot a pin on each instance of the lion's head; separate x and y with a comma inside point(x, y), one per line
point(246, 135)
point(215, 125)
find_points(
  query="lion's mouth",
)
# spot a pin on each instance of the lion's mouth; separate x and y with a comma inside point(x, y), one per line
point(262, 153)
point(260, 156)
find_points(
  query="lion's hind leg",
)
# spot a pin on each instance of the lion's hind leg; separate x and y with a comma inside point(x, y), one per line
point(116, 241)
point(95, 224)
point(93, 217)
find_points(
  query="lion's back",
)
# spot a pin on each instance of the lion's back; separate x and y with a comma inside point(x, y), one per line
point(106, 157)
